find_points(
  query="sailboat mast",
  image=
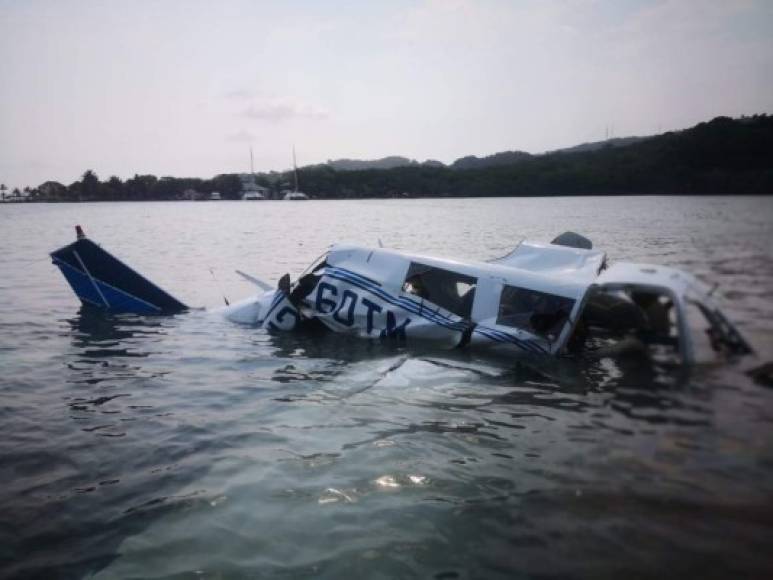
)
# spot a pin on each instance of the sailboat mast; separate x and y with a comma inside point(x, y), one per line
point(252, 162)
point(295, 170)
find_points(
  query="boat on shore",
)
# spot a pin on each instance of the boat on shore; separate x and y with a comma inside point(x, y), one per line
point(251, 191)
point(556, 299)
point(253, 196)
point(295, 194)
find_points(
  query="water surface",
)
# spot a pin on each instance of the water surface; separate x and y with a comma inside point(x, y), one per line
point(190, 447)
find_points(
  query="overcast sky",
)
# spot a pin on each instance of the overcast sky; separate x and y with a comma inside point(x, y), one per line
point(184, 88)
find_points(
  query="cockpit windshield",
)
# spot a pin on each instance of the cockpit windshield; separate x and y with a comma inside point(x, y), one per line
point(627, 319)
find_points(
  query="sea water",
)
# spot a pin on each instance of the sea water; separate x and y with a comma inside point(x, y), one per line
point(190, 447)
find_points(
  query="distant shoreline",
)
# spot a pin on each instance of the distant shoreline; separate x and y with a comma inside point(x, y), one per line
point(563, 196)
point(711, 158)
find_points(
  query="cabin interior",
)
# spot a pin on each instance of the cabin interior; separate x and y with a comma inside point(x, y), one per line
point(452, 291)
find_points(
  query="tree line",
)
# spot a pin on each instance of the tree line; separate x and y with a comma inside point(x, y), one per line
point(722, 156)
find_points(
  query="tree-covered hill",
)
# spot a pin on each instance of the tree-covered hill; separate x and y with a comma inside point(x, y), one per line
point(722, 156)
point(497, 159)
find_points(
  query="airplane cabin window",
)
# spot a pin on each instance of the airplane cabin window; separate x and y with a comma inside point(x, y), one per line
point(536, 312)
point(450, 290)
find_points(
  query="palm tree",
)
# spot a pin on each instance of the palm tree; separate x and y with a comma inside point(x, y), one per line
point(90, 184)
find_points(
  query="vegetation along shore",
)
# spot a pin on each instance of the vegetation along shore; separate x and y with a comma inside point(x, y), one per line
point(721, 156)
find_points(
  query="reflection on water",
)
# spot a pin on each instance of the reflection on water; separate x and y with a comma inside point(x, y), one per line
point(92, 325)
point(101, 342)
point(187, 446)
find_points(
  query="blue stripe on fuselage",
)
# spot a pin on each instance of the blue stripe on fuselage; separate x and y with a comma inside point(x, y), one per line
point(407, 305)
point(433, 316)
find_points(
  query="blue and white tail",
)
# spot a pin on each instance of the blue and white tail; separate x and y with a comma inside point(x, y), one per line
point(101, 280)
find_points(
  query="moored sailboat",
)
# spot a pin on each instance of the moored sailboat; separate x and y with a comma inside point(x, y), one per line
point(295, 195)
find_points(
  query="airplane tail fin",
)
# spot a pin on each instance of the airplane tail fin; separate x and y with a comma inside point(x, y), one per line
point(101, 280)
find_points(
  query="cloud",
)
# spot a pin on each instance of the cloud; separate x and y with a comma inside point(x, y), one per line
point(431, 21)
point(278, 109)
point(239, 94)
point(241, 136)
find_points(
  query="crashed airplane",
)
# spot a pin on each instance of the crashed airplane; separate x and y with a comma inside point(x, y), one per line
point(560, 298)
